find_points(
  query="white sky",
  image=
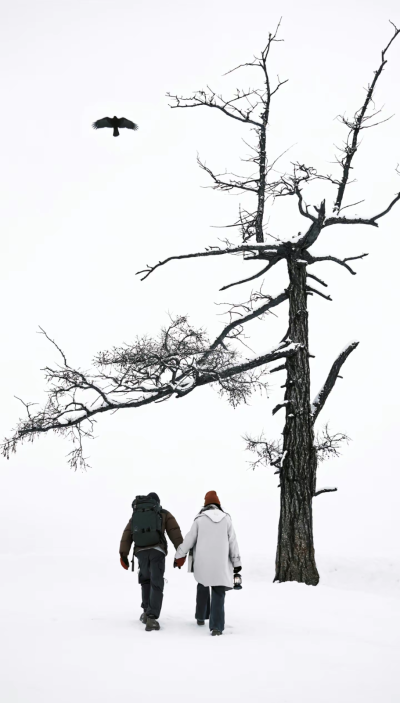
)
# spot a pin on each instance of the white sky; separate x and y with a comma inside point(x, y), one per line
point(81, 212)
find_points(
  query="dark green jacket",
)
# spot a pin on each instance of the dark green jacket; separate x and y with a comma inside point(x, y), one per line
point(169, 526)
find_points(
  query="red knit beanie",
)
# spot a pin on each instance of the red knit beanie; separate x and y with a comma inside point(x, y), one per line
point(211, 497)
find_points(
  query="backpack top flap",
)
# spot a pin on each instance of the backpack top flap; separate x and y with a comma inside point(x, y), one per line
point(145, 502)
point(146, 522)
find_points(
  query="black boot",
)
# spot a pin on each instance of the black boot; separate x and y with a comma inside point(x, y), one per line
point(152, 624)
point(200, 622)
point(143, 618)
point(216, 633)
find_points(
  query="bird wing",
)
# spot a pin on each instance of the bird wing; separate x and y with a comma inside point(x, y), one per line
point(123, 122)
point(99, 124)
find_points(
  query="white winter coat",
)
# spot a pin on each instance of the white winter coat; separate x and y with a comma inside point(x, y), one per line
point(215, 548)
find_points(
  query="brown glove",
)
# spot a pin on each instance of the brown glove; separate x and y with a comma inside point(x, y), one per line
point(179, 562)
point(124, 562)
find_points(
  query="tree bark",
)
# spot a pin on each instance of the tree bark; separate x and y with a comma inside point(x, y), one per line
point(295, 558)
point(261, 182)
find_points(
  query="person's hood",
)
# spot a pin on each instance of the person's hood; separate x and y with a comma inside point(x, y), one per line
point(213, 513)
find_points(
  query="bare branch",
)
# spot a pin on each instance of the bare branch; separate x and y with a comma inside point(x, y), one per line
point(282, 367)
point(356, 126)
point(318, 292)
point(258, 61)
point(341, 262)
point(245, 248)
point(250, 107)
point(324, 490)
point(42, 331)
point(268, 453)
point(258, 312)
point(279, 407)
point(236, 183)
point(256, 275)
point(303, 208)
point(268, 358)
point(211, 99)
point(327, 445)
point(361, 220)
point(148, 371)
point(322, 396)
point(310, 275)
point(352, 204)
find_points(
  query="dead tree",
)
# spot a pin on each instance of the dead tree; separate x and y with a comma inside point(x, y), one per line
point(182, 358)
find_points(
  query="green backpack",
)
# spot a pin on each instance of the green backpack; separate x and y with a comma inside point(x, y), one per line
point(146, 522)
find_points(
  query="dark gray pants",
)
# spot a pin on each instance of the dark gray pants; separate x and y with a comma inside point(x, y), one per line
point(151, 579)
point(211, 607)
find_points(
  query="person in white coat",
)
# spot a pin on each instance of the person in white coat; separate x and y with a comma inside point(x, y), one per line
point(215, 560)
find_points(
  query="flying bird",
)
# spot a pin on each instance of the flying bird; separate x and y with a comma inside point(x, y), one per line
point(114, 123)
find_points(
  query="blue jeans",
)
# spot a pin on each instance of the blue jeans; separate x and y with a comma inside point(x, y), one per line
point(213, 607)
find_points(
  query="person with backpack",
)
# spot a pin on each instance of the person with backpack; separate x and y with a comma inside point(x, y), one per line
point(216, 559)
point(146, 529)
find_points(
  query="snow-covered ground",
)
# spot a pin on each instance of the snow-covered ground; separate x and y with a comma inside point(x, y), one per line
point(70, 634)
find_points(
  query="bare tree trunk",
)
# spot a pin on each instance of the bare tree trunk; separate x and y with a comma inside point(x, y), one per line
point(295, 559)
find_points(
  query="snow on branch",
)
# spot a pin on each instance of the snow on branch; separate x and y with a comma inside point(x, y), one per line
point(362, 220)
point(322, 396)
point(150, 370)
